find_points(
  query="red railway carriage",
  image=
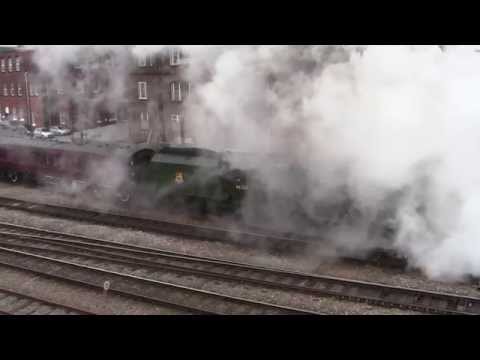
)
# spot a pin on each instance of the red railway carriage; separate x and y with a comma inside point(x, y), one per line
point(96, 167)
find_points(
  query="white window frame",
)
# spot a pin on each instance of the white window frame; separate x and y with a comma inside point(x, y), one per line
point(62, 118)
point(142, 61)
point(144, 120)
point(10, 64)
point(175, 57)
point(12, 89)
point(176, 118)
point(17, 63)
point(176, 91)
point(19, 90)
point(142, 95)
point(3, 65)
point(5, 90)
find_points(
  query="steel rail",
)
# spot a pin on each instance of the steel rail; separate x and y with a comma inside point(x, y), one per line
point(373, 293)
point(123, 219)
point(177, 295)
point(29, 304)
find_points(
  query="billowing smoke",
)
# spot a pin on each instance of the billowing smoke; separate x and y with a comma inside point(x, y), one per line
point(394, 129)
point(88, 78)
point(396, 126)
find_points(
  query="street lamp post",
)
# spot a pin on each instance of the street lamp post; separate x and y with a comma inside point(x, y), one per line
point(29, 106)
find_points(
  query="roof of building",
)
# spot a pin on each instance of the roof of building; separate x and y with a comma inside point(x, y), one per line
point(6, 48)
point(13, 49)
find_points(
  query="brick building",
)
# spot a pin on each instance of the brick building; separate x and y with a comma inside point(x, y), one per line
point(151, 100)
point(88, 98)
point(20, 100)
point(156, 91)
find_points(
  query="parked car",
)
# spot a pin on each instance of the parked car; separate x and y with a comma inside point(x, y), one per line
point(42, 133)
point(59, 130)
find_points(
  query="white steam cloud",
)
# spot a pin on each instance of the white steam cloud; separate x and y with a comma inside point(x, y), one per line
point(383, 120)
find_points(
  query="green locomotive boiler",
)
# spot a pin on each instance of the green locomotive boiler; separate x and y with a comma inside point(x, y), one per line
point(198, 176)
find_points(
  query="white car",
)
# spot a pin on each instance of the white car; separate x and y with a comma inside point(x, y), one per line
point(59, 130)
point(42, 133)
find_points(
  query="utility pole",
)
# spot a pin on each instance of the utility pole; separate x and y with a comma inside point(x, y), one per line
point(29, 105)
point(46, 104)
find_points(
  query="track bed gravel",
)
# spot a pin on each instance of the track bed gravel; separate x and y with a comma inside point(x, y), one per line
point(78, 296)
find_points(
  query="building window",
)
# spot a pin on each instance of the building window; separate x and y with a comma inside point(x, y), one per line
point(144, 121)
point(175, 91)
point(17, 63)
point(3, 65)
point(142, 61)
point(20, 93)
point(142, 90)
point(21, 115)
point(176, 57)
point(34, 118)
point(12, 90)
point(175, 118)
point(63, 118)
point(179, 90)
point(10, 65)
point(5, 90)
point(14, 112)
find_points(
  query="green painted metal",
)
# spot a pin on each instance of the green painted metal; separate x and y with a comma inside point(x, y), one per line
point(190, 173)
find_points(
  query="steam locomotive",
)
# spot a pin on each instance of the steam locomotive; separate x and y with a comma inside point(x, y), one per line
point(214, 182)
point(125, 172)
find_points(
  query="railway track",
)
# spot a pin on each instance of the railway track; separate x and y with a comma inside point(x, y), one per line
point(261, 239)
point(154, 260)
point(15, 303)
point(195, 300)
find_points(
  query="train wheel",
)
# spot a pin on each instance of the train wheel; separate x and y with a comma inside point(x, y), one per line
point(13, 177)
point(124, 197)
point(96, 192)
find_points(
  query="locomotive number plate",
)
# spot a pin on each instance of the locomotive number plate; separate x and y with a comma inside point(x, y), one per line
point(179, 178)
